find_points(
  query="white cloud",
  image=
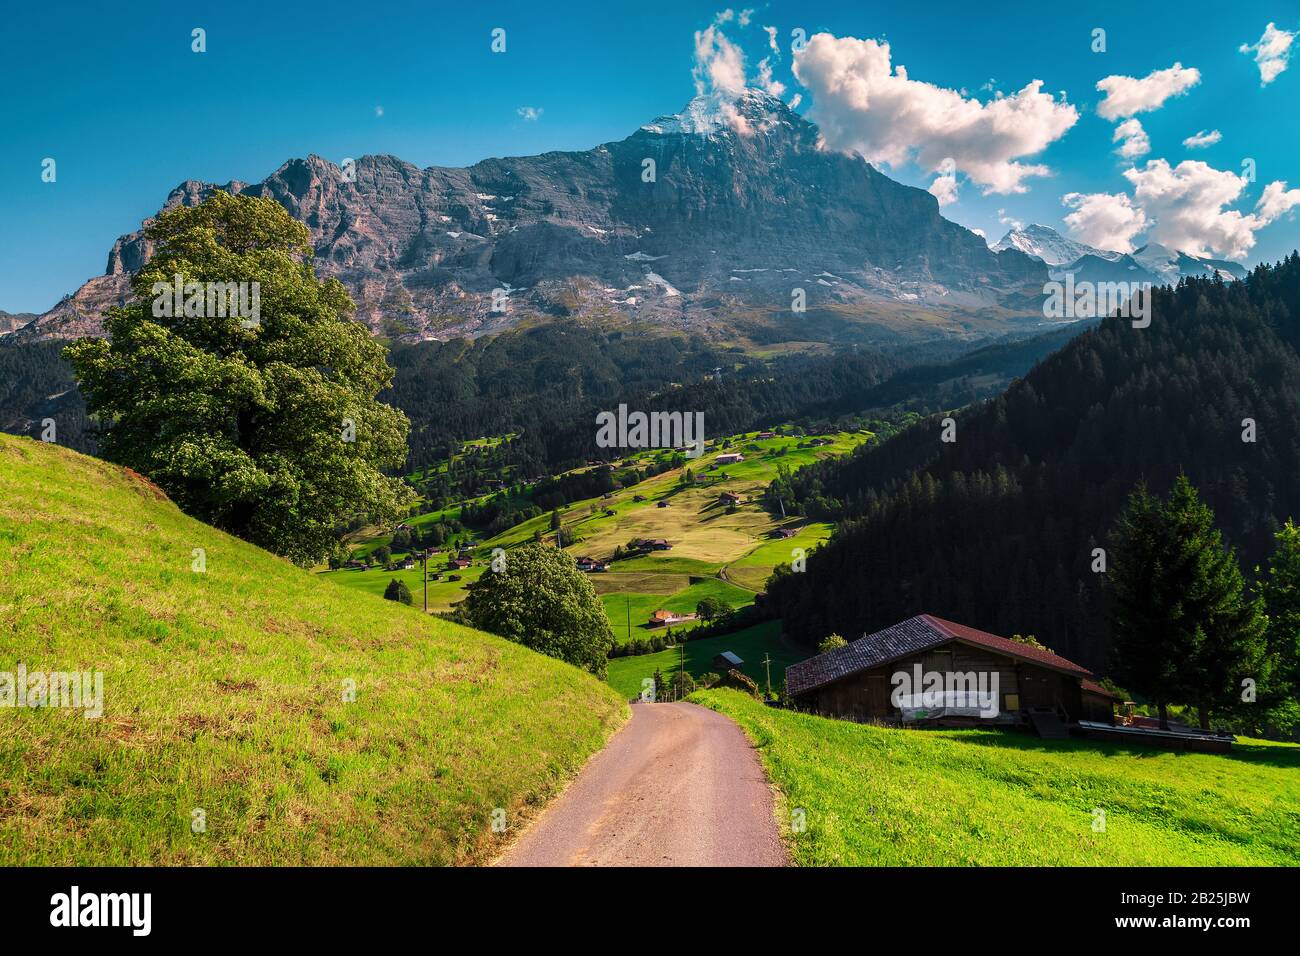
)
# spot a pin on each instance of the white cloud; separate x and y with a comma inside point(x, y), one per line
point(864, 104)
point(1276, 201)
point(1183, 207)
point(765, 79)
point(1135, 141)
point(719, 63)
point(1186, 203)
point(944, 189)
point(530, 113)
point(1272, 53)
point(1006, 220)
point(771, 39)
point(795, 101)
point(1105, 220)
point(1127, 95)
point(1203, 139)
point(379, 111)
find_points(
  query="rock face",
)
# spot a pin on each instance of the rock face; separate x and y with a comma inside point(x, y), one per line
point(11, 322)
point(730, 205)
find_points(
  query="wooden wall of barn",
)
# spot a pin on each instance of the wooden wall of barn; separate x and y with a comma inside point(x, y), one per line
point(865, 696)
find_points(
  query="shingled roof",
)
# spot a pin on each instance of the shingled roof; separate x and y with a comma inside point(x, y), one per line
point(904, 639)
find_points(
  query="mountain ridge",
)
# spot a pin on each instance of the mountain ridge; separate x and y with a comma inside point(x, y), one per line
point(728, 206)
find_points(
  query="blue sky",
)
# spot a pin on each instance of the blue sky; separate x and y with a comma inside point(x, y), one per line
point(116, 96)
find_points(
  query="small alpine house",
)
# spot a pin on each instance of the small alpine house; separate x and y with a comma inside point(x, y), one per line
point(874, 678)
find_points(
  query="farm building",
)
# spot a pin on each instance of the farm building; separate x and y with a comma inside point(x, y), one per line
point(729, 498)
point(1022, 684)
point(728, 661)
point(731, 458)
point(664, 617)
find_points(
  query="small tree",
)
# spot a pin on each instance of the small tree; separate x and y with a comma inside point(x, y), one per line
point(541, 600)
point(711, 608)
point(397, 591)
point(830, 643)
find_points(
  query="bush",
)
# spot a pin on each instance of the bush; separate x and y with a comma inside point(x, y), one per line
point(830, 643)
point(741, 682)
point(397, 591)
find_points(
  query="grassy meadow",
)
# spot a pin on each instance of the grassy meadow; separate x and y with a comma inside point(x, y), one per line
point(735, 549)
point(225, 691)
point(751, 644)
point(874, 796)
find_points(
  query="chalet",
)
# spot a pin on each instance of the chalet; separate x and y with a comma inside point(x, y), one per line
point(1024, 684)
point(661, 504)
point(591, 564)
point(663, 617)
point(818, 442)
point(459, 563)
point(728, 661)
point(659, 544)
point(408, 564)
point(354, 563)
point(729, 498)
point(638, 497)
point(762, 435)
point(730, 458)
point(785, 532)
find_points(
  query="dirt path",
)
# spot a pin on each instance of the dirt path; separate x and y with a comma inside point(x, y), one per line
point(679, 785)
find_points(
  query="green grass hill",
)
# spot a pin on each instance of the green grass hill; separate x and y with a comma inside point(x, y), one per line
point(225, 689)
point(879, 796)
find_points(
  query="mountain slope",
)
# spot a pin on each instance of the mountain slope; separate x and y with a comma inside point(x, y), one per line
point(727, 206)
point(223, 692)
point(997, 529)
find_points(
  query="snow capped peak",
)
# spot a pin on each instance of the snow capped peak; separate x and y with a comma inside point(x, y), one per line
point(717, 112)
point(1046, 244)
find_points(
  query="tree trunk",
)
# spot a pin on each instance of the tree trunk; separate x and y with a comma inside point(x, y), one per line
point(1205, 717)
point(1164, 715)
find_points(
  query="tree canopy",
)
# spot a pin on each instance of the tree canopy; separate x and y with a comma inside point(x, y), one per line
point(267, 428)
point(540, 599)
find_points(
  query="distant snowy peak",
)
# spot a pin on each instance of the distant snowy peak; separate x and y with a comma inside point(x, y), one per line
point(1152, 263)
point(1171, 265)
point(1048, 245)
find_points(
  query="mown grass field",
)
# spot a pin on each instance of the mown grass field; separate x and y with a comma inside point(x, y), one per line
point(707, 542)
point(224, 691)
point(751, 644)
point(874, 796)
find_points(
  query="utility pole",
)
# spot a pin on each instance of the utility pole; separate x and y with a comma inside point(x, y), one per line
point(629, 618)
point(682, 682)
point(424, 565)
point(767, 663)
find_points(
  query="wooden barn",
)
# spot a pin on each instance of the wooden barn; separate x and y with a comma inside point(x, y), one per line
point(1035, 686)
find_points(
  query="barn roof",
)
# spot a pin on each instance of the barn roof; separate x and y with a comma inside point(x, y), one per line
point(731, 659)
point(904, 639)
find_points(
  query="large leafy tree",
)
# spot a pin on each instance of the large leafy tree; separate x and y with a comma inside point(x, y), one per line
point(268, 429)
point(540, 599)
point(1184, 628)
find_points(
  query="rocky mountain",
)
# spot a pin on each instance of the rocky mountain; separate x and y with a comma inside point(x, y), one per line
point(11, 322)
point(1045, 243)
point(726, 208)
